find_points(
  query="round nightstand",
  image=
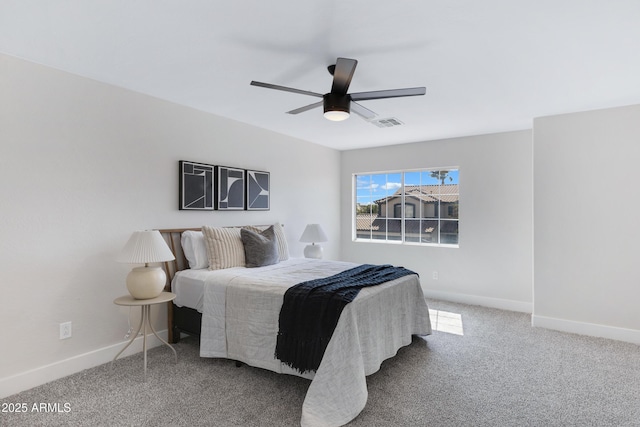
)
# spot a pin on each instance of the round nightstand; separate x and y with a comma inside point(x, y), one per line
point(145, 304)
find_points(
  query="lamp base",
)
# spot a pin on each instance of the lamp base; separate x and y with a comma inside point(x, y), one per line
point(313, 251)
point(146, 282)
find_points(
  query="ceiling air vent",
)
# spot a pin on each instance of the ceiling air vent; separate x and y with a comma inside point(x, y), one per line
point(387, 123)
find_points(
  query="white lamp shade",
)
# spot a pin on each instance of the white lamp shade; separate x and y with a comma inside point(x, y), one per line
point(313, 233)
point(144, 247)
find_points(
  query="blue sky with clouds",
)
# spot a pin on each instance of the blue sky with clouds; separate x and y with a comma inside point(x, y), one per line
point(371, 187)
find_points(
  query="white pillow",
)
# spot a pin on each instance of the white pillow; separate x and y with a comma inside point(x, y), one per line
point(195, 249)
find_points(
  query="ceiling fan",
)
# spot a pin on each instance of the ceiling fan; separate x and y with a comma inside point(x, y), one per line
point(338, 103)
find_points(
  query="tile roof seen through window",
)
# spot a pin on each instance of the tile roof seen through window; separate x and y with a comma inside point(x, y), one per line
point(428, 193)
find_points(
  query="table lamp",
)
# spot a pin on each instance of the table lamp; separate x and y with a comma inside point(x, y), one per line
point(146, 247)
point(313, 233)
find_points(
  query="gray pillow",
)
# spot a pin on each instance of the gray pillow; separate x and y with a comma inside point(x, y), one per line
point(260, 248)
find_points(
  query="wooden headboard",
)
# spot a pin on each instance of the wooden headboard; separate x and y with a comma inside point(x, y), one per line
point(172, 236)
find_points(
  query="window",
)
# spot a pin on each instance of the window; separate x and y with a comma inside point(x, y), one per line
point(407, 206)
point(409, 210)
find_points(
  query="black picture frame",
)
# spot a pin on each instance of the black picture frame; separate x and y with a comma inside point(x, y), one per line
point(196, 186)
point(230, 189)
point(258, 190)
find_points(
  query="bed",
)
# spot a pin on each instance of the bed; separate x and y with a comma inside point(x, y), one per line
point(235, 311)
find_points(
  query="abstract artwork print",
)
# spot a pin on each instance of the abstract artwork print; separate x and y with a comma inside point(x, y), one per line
point(257, 191)
point(196, 186)
point(230, 188)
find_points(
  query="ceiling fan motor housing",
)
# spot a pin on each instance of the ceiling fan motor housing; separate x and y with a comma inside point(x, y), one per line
point(336, 102)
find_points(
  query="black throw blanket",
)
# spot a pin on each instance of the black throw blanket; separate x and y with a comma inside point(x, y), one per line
point(310, 312)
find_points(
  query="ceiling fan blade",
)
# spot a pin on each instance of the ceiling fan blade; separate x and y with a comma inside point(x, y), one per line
point(342, 75)
point(392, 93)
point(305, 108)
point(284, 88)
point(363, 112)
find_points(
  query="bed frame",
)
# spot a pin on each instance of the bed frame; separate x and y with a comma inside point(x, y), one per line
point(179, 319)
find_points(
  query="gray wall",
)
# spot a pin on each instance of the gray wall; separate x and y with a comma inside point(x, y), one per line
point(587, 230)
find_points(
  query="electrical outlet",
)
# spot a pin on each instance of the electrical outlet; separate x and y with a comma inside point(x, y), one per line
point(435, 275)
point(65, 330)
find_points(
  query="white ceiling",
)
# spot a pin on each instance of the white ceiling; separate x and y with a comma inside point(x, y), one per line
point(488, 66)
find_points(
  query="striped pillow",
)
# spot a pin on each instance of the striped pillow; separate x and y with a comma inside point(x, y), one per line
point(224, 246)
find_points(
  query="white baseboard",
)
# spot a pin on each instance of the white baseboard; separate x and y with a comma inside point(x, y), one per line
point(44, 374)
point(503, 304)
point(590, 329)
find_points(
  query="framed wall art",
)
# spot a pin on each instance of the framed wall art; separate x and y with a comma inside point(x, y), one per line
point(196, 186)
point(258, 198)
point(230, 188)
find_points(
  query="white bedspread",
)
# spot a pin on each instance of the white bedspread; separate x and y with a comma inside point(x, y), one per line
point(240, 322)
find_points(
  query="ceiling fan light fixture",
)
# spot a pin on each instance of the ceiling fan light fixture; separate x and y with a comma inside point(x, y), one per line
point(336, 116)
point(336, 107)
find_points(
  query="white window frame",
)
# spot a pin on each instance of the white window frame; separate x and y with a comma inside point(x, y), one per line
point(402, 240)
